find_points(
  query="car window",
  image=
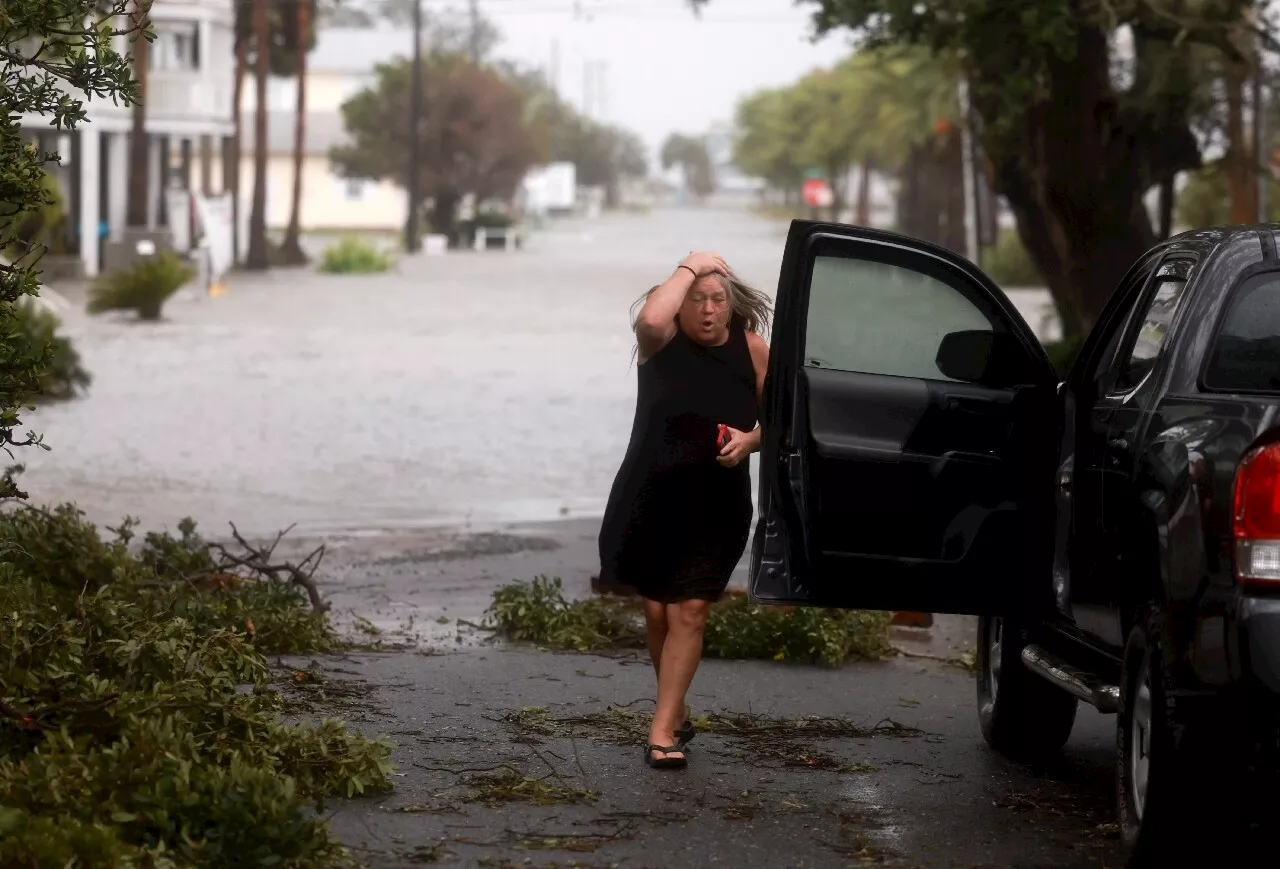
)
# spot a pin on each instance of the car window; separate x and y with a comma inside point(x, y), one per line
point(1149, 340)
point(1246, 353)
point(875, 318)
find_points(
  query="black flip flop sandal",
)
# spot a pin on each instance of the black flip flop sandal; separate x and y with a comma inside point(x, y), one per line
point(686, 732)
point(664, 762)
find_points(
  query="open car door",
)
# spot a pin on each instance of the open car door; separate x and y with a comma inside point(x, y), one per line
point(910, 434)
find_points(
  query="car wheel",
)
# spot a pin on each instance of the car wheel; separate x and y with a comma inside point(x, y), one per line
point(1021, 714)
point(1165, 765)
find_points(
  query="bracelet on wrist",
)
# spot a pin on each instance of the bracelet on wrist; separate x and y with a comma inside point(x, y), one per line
point(688, 269)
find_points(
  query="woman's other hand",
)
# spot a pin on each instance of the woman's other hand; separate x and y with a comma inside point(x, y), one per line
point(739, 448)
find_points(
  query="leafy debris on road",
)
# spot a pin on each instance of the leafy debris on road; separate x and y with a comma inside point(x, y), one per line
point(509, 785)
point(538, 612)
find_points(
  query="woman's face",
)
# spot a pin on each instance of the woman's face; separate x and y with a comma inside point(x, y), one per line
point(706, 311)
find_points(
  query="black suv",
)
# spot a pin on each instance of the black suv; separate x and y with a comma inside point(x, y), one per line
point(1118, 532)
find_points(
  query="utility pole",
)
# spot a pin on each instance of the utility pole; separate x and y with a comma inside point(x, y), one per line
point(412, 234)
point(1261, 154)
point(970, 185)
point(475, 31)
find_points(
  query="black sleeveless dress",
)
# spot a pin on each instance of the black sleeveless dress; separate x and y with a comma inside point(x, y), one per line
point(677, 522)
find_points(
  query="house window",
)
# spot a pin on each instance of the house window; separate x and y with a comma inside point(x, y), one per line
point(352, 189)
point(177, 46)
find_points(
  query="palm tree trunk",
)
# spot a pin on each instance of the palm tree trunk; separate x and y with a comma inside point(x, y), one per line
point(291, 250)
point(139, 152)
point(259, 258)
point(232, 181)
point(862, 211)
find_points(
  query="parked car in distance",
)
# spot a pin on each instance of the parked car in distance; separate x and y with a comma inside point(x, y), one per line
point(1118, 533)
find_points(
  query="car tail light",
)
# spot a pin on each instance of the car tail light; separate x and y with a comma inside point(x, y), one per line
point(1256, 517)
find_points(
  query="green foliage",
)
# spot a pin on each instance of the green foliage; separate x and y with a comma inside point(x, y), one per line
point(474, 138)
point(49, 51)
point(137, 727)
point(876, 106)
point(1009, 264)
point(63, 375)
point(1205, 199)
point(603, 155)
point(539, 613)
point(143, 287)
point(353, 256)
point(45, 227)
point(740, 629)
point(1063, 354)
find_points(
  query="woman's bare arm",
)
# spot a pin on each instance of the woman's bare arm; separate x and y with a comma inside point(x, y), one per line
point(656, 324)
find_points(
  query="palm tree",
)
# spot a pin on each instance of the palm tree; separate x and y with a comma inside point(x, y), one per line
point(258, 257)
point(136, 209)
point(232, 180)
point(291, 249)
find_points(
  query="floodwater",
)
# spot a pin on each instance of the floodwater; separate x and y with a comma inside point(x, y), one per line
point(466, 389)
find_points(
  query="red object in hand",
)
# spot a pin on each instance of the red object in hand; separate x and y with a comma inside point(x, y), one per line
point(723, 436)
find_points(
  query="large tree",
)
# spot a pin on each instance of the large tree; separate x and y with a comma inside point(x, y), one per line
point(289, 35)
point(1074, 146)
point(472, 134)
point(603, 155)
point(299, 39)
point(139, 139)
point(691, 155)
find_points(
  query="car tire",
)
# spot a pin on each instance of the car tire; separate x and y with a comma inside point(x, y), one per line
point(1166, 764)
point(1022, 715)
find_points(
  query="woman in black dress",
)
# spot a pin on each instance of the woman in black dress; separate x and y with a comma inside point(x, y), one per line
point(679, 514)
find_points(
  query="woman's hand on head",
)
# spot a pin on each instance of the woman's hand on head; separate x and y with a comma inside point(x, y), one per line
point(739, 448)
point(705, 263)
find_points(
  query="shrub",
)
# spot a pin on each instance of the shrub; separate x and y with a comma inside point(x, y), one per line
point(143, 287)
point(137, 726)
point(538, 612)
point(353, 256)
point(62, 375)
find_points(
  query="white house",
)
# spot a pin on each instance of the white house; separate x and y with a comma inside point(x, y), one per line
point(188, 120)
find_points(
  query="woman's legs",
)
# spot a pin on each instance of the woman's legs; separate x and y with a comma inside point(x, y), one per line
point(681, 653)
point(655, 631)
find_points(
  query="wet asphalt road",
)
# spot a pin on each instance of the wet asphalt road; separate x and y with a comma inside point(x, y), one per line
point(932, 795)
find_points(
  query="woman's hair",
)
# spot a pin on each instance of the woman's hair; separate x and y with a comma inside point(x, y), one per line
point(751, 308)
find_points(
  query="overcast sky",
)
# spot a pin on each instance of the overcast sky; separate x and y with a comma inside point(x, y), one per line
point(661, 69)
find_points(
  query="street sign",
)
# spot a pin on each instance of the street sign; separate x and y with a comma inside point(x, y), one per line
point(817, 193)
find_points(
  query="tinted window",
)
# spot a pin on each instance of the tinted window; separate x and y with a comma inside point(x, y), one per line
point(875, 318)
point(1154, 329)
point(1246, 353)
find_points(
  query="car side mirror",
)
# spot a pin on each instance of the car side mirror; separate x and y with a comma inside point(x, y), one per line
point(966, 356)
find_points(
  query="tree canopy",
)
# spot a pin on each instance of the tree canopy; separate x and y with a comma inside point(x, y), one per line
point(691, 155)
point(472, 136)
point(1085, 107)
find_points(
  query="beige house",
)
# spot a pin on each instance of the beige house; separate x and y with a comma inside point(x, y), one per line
point(340, 66)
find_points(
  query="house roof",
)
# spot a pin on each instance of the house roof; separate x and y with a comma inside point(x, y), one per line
point(324, 130)
point(358, 49)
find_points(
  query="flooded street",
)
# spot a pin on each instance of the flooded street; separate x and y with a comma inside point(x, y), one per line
point(466, 389)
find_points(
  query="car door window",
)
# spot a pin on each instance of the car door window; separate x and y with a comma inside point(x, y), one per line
point(1148, 335)
point(1246, 352)
point(876, 318)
